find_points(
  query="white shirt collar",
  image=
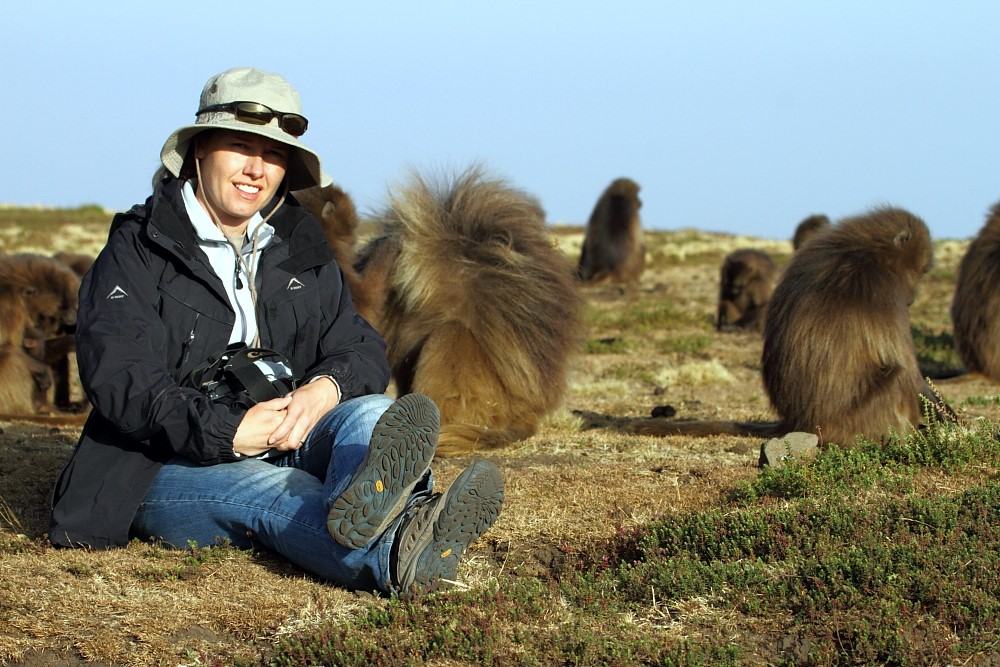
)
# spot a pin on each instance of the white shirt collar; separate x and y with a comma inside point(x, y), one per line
point(205, 227)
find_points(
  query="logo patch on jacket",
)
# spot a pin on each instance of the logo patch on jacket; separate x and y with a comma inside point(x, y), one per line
point(117, 293)
point(294, 283)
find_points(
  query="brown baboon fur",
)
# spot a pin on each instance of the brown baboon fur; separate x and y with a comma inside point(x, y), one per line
point(23, 379)
point(745, 284)
point(52, 306)
point(838, 357)
point(336, 212)
point(53, 289)
point(480, 310)
point(975, 307)
point(613, 250)
point(18, 381)
point(60, 352)
point(375, 262)
point(808, 228)
point(78, 262)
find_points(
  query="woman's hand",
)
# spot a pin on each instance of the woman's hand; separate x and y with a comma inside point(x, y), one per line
point(308, 403)
point(258, 424)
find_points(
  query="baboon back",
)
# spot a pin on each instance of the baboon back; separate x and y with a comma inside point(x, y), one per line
point(612, 246)
point(481, 311)
point(975, 307)
point(746, 282)
point(838, 354)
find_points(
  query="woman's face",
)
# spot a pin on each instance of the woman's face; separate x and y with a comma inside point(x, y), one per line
point(240, 173)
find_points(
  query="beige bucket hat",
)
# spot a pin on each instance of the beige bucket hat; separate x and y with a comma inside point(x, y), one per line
point(268, 106)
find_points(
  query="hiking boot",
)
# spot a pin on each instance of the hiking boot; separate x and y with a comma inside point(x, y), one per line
point(399, 455)
point(434, 535)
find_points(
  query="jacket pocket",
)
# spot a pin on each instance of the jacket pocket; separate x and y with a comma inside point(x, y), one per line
point(293, 322)
point(195, 330)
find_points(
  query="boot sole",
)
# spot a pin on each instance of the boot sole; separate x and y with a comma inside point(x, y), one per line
point(468, 509)
point(399, 454)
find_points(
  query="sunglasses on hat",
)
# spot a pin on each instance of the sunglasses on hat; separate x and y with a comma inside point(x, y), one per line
point(258, 114)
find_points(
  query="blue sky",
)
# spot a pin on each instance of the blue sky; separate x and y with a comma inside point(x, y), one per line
point(733, 116)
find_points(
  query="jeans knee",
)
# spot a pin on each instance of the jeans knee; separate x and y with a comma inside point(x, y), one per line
point(356, 416)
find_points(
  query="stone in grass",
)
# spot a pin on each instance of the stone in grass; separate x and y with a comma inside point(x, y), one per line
point(801, 445)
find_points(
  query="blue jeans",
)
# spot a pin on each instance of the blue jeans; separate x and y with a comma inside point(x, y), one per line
point(280, 504)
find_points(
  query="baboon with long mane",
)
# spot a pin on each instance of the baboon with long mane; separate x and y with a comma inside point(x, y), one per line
point(975, 306)
point(746, 282)
point(613, 250)
point(808, 228)
point(479, 309)
point(838, 357)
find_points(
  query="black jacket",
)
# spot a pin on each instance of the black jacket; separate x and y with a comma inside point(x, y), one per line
point(151, 311)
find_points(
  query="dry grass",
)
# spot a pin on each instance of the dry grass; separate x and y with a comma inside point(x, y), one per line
point(568, 488)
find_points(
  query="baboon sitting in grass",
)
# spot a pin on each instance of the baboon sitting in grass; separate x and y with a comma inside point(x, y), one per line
point(975, 307)
point(479, 310)
point(613, 250)
point(50, 292)
point(23, 378)
point(746, 282)
point(838, 357)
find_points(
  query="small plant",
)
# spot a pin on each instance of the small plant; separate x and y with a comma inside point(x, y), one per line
point(696, 344)
point(936, 353)
point(615, 345)
point(982, 400)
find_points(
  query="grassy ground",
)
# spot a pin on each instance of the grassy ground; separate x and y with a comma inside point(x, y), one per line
point(611, 549)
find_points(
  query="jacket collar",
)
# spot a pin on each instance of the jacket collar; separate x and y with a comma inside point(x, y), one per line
point(307, 243)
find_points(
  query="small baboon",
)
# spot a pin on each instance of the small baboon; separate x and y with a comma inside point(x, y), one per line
point(838, 357)
point(745, 285)
point(24, 380)
point(55, 291)
point(375, 262)
point(60, 353)
point(19, 380)
point(613, 250)
point(52, 290)
point(79, 262)
point(808, 228)
point(336, 212)
point(479, 309)
point(975, 307)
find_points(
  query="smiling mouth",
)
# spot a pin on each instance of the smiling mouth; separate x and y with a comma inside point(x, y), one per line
point(249, 189)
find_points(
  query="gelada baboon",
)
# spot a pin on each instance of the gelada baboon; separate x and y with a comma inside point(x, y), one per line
point(79, 262)
point(479, 309)
point(808, 228)
point(975, 307)
point(52, 290)
point(838, 357)
point(745, 284)
point(22, 377)
point(613, 250)
point(55, 291)
point(335, 210)
point(60, 352)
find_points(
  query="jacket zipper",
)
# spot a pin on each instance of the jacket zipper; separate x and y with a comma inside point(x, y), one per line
point(190, 340)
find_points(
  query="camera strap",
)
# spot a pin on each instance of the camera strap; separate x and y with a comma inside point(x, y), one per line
point(236, 377)
point(242, 365)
